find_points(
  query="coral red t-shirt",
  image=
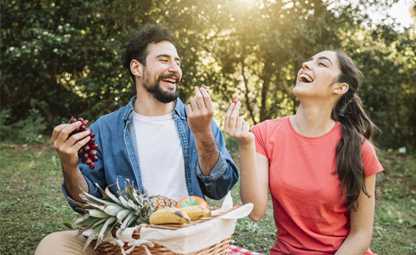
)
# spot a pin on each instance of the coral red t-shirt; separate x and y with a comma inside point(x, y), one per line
point(309, 208)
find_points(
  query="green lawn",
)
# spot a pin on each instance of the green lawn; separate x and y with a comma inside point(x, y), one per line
point(31, 204)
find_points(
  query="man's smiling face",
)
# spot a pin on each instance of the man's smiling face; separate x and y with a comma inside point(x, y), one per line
point(162, 71)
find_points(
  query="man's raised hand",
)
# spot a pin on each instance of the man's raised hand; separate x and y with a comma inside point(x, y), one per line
point(200, 112)
point(68, 144)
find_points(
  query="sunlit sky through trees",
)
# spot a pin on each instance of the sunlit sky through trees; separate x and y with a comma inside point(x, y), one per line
point(399, 11)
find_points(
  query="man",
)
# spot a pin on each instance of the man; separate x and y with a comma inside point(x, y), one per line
point(161, 145)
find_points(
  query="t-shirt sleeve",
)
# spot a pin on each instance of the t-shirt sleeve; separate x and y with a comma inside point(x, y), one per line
point(260, 134)
point(371, 163)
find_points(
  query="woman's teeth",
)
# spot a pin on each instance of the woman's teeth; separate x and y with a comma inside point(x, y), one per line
point(305, 78)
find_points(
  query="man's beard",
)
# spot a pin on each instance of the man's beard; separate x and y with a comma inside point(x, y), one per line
point(156, 91)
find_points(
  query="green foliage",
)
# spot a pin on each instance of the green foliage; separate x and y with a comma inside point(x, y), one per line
point(28, 130)
point(63, 57)
point(4, 128)
point(387, 60)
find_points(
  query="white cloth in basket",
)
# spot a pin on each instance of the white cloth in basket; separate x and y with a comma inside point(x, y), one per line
point(197, 236)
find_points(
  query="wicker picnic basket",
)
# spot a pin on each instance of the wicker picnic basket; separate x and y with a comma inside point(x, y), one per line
point(218, 242)
point(107, 248)
point(207, 236)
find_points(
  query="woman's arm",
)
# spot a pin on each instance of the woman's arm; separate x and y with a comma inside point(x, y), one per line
point(253, 166)
point(362, 218)
point(254, 176)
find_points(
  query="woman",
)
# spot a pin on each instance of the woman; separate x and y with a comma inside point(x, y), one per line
point(318, 164)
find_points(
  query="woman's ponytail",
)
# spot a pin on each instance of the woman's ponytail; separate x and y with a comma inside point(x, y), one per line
point(356, 127)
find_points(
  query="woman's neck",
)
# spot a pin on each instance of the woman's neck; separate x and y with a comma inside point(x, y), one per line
point(313, 121)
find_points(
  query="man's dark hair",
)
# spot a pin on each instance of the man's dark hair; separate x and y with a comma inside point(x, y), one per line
point(137, 46)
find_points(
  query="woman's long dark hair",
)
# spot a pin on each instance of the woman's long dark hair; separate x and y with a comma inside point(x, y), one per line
point(356, 127)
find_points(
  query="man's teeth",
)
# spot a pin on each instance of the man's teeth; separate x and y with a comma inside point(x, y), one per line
point(170, 81)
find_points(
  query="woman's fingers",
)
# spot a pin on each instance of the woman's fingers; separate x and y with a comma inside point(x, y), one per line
point(234, 115)
point(227, 118)
point(233, 123)
point(239, 124)
point(236, 126)
point(245, 127)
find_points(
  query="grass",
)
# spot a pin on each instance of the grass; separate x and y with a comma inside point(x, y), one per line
point(32, 205)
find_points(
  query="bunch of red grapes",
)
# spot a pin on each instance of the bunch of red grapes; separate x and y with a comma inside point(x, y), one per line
point(88, 153)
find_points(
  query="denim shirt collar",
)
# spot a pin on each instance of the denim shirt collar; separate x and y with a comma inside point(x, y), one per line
point(178, 111)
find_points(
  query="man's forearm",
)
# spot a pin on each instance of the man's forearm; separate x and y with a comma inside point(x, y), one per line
point(207, 151)
point(74, 183)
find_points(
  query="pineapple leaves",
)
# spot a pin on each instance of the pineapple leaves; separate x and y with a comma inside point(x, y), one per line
point(119, 210)
point(105, 229)
point(97, 213)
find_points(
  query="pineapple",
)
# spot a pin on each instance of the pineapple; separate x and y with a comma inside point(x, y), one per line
point(129, 208)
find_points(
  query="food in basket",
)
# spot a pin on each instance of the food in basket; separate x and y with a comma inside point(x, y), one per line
point(202, 237)
point(173, 215)
point(129, 208)
point(188, 209)
point(196, 212)
point(169, 215)
point(108, 216)
point(192, 201)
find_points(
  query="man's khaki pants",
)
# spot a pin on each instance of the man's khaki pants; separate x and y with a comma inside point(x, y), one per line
point(63, 243)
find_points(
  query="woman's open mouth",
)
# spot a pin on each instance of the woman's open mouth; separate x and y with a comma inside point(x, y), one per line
point(305, 78)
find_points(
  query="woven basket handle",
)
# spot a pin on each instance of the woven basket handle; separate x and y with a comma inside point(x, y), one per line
point(137, 243)
point(132, 243)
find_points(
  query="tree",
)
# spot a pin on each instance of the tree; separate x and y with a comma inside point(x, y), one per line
point(63, 57)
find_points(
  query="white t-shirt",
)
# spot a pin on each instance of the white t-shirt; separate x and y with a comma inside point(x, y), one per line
point(160, 155)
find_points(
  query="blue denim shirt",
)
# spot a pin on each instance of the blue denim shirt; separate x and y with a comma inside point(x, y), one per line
point(118, 160)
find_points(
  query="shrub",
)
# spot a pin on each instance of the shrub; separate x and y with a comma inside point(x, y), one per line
point(28, 130)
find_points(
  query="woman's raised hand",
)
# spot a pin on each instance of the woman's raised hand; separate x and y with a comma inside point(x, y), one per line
point(236, 126)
